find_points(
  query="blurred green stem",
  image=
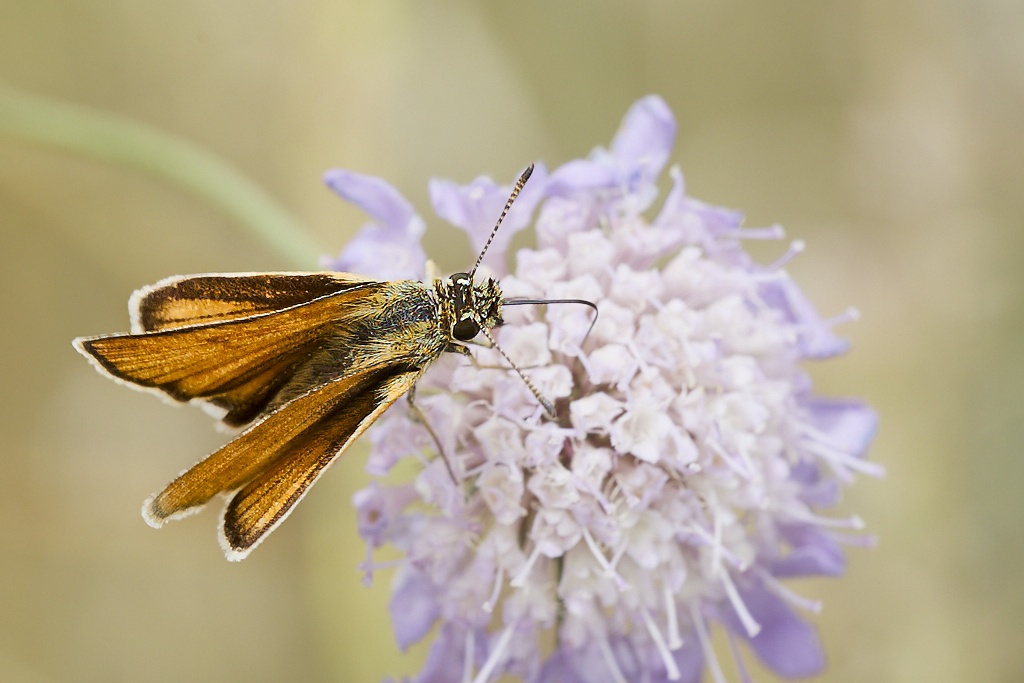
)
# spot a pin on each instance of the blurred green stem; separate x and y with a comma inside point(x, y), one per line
point(97, 135)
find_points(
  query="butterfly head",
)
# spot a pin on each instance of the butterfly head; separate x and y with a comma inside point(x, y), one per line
point(473, 306)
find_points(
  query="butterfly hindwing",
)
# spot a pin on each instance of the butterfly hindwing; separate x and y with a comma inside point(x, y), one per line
point(263, 503)
point(337, 407)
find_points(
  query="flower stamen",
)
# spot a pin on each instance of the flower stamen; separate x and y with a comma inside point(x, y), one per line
point(771, 232)
point(520, 579)
point(675, 640)
point(609, 568)
point(790, 596)
point(749, 623)
point(737, 658)
point(705, 644)
point(804, 515)
point(468, 656)
point(795, 247)
point(840, 460)
point(496, 654)
point(499, 576)
point(609, 660)
point(659, 642)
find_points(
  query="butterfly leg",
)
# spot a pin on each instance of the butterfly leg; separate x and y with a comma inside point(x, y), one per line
point(422, 417)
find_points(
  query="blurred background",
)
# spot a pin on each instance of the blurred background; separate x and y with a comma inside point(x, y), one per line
point(885, 134)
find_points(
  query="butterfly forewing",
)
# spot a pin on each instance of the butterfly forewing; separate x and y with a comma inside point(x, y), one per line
point(182, 301)
point(235, 359)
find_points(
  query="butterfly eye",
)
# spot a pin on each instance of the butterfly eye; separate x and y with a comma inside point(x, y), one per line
point(465, 329)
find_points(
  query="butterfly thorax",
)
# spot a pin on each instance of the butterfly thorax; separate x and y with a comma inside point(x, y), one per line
point(466, 307)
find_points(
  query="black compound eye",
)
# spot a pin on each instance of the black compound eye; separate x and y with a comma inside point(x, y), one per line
point(465, 329)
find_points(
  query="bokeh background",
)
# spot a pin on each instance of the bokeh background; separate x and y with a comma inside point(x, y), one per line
point(887, 134)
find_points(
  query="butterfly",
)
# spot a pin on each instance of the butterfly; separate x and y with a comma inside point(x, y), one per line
point(304, 363)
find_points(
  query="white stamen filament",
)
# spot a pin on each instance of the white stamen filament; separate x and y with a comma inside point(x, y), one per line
point(638, 356)
point(772, 232)
point(369, 566)
point(741, 668)
point(730, 556)
point(496, 654)
point(609, 660)
point(495, 591)
point(675, 640)
point(659, 642)
point(609, 569)
point(467, 660)
point(587, 487)
point(750, 624)
point(520, 579)
point(855, 540)
point(840, 458)
point(748, 462)
point(741, 469)
point(472, 472)
point(716, 540)
point(803, 515)
point(793, 598)
point(705, 645)
point(848, 316)
point(795, 247)
point(689, 377)
point(617, 555)
point(831, 449)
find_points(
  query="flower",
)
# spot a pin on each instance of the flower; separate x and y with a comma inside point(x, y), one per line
point(685, 472)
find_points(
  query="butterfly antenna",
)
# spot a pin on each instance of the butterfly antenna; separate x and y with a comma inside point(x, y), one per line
point(508, 205)
point(540, 397)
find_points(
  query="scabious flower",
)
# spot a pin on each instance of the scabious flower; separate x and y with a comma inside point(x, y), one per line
point(685, 473)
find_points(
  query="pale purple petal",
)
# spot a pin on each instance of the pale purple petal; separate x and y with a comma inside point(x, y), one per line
point(388, 248)
point(378, 507)
point(638, 152)
point(590, 664)
point(413, 606)
point(646, 136)
point(373, 253)
point(815, 336)
point(377, 197)
point(813, 553)
point(587, 665)
point(564, 667)
point(849, 425)
point(690, 221)
point(447, 657)
point(581, 175)
point(475, 208)
point(815, 489)
point(786, 644)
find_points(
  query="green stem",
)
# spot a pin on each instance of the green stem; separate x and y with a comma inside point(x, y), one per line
point(98, 135)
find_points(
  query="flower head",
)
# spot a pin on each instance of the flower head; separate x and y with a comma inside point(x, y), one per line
point(684, 474)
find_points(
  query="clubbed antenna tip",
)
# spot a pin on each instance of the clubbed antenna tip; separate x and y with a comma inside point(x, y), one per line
point(508, 205)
